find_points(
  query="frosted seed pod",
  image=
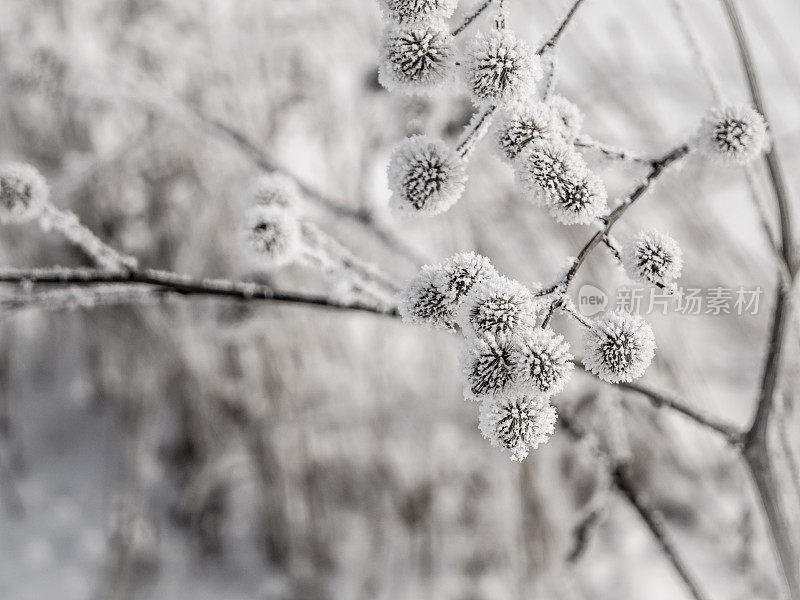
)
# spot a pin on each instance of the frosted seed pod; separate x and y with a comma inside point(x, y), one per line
point(523, 125)
point(499, 69)
point(618, 347)
point(417, 11)
point(489, 365)
point(732, 134)
point(433, 295)
point(416, 59)
point(426, 176)
point(653, 257)
point(498, 305)
point(548, 168)
point(273, 234)
point(23, 193)
point(543, 362)
point(517, 423)
point(581, 201)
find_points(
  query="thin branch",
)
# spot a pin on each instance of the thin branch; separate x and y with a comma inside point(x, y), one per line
point(471, 17)
point(183, 285)
point(553, 40)
point(610, 152)
point(625, 485)
point(700, 56)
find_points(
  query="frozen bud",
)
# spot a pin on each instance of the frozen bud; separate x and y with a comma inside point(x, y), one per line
point(546, 169)
point(426, 176)
point(498, 305)
point(517, 423)
point(499, 69)
point(523, 125)
point(618, 347)
point(416, 59)
point(274, 189)
point(273, 234)
point(580, 202)
point(568, 116)
point(417, 11)
point(652, 257)
point(433, 296)
point(489, 365)
point(543, 361)
point(23, 193)
point(733, 134)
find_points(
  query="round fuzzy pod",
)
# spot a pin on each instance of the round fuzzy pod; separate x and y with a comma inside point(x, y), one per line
point(653, 257)
point(580, 202)
point(416, 59)
point(518, 424)
point(274, 189)
point(547, 169)
point(273, 234)
point(489, 365)
point(500, 306)
point(417, 11)
point(426, 176)
point(568, 117)
point(618, 347)
point(733, 134)
point(543, 361)
point(434, 294)
point(23, 193)
point(523, 125)
point(499, 69)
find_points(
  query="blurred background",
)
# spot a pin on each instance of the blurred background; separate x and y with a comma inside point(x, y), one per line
point(212, 450)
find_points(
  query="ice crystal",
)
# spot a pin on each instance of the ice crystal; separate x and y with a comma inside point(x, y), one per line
point(543, 361)
point(499, 69)
point(653, 257)
point(547, 169)
point(426, 176)
point(618, 347)
point(733, 134)
point(416, 59)
point(523, 125)
point(517, 423)
point(272, 233)
point(433, 296)
point(498, 305)
point(489, 365)
point(417, 11)
point(568, 117)
point(23, 192)
point(581, 201)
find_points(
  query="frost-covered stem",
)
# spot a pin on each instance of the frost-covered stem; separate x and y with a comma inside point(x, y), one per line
point(551, 60)
point(655, 522)
point(336, 207)
point(657, 168)
point(183, 285)
point(666, 400)
point(786, 444)
point(756, 449)
point(331, 254)
point(582, 533)
point(471, 17)
point(626, 487)
point(758, 204)
point(80, 297)
point(612, 248)
point(611, 152)
point(68, 224)
point(474, 131)
point(553, 39)
point(700, 56)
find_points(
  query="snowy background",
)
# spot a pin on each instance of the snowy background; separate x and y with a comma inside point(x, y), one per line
point(212, 450)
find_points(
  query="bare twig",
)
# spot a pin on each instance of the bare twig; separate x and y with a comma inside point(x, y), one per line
point(624, 484)
point(183, 285)
point(553, 39)
point(471, 17)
